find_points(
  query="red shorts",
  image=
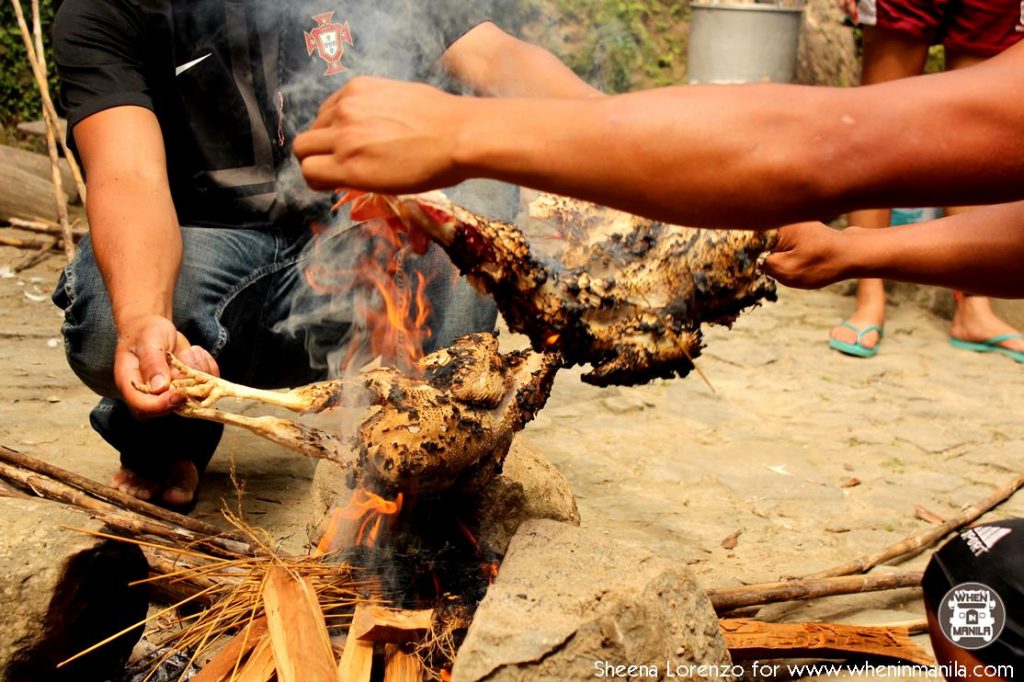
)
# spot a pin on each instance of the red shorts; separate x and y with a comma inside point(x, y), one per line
point(979, 27)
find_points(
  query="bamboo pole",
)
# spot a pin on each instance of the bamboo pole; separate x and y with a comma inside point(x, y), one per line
point(926, 538)
point(51, 147)
point(49, 111)
point(729, 598)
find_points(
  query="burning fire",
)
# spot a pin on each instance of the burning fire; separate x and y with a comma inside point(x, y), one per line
point(391, 309)
point(360, 522)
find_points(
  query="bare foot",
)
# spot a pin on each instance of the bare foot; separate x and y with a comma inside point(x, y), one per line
point(182, 481)
point(976, 321)
point(178, 487)
point(870, 311)
point(127, 481)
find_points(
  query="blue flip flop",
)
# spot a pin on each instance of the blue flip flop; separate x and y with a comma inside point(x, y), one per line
point(991, 346)
point(858, 349)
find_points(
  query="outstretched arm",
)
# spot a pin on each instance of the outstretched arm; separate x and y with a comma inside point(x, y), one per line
point(719, 156)
point(137, 242)
point(980, 252)
point(495, 64)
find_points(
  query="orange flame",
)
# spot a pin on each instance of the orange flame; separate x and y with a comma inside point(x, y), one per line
point(490, 570)
point(392, 310)
point(360, 522)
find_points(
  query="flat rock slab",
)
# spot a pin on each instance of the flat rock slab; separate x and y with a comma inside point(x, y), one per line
point(63, 591)
point(572, 604)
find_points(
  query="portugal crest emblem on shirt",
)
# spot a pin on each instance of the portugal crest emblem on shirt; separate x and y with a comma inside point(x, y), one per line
point(328, 40)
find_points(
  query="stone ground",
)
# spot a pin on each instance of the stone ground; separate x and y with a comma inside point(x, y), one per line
point(770, 453)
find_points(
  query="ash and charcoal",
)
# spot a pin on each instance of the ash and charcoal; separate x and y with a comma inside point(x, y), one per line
point(429, 558)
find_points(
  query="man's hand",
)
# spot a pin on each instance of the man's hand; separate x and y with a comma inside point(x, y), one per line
point(141, 371)
point(811, 255)
point(382, 136)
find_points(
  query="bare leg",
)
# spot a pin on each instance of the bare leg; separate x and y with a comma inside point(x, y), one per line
point(888, 55)
point(974, 319)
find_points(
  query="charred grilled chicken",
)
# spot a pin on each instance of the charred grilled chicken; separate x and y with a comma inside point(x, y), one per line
point(449, 426)
point(625, 294)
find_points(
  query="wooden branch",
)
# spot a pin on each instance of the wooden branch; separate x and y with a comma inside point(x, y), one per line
point(116, 517)
point(222, 666)
point(112, 495)
point(356, 662)
point(51, 147)
point(18, 243)
point(37, 256)
point(298, 633)
point(400, 666)
point(49, 111)
point(43, 226)
point(755, 640)
point(381, 624)
point(928, 537)
point(177, 590)
point(728, 598)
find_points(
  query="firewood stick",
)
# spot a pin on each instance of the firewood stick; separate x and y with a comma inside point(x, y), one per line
point(222, 666)
point(298, 633)
point(41, 226)
point(18, 243)
point(113, 495)
point(49, 111)
point(51, 147)
point(756, 640)
point(160, 565)
point(381, 624)
point(37, 256)
point(260, 666)
point(116, 517)
point(400, 666)
point(926, 538)
point(356, 662)
point(728, 598)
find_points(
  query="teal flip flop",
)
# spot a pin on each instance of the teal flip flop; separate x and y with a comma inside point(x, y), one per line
point(858, 349)
point(991, 346)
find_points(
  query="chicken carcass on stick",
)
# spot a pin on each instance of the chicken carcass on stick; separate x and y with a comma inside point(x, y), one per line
point(450, 425)
point(626, 294)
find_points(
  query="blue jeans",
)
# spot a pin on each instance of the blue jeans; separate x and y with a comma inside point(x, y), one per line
point(234, 294)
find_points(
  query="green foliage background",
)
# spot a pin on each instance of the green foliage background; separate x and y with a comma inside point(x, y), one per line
point(617, 45)
point(19, 99)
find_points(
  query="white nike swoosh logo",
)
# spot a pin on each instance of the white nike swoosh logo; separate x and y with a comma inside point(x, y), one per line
point(185, 67)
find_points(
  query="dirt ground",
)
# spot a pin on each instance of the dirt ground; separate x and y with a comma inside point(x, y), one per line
point(813, 457)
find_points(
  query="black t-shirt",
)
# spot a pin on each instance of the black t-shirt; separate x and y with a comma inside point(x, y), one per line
point(232, 81)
